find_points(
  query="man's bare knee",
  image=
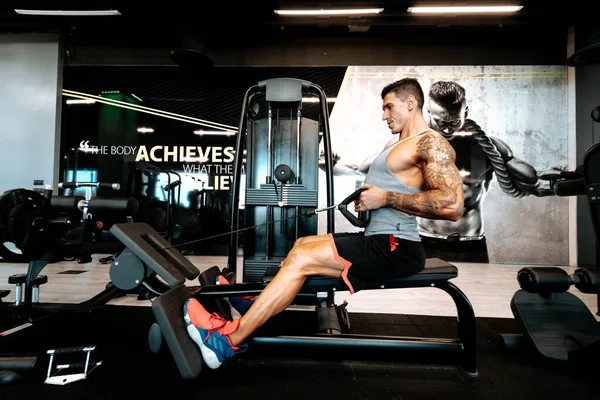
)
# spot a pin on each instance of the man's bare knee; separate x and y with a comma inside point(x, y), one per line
point(299, 242)
point(304, 240)
point(297, 260)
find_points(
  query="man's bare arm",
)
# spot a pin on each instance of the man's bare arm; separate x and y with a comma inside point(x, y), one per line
point(443, 196)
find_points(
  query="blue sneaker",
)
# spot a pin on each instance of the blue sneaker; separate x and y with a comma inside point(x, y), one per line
point(210, 332)
point(239, 304)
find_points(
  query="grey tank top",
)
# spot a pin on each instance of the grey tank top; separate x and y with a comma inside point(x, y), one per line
point(387, 220)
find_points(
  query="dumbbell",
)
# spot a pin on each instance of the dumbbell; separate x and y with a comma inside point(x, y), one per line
point(557, 280)
point(19, 281)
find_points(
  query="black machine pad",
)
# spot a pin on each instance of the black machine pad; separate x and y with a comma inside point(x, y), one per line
point(168, 310)
point(557, 325)
point(436, 270)
point(155, 252)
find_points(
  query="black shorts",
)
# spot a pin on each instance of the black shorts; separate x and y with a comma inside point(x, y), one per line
point(375, 258)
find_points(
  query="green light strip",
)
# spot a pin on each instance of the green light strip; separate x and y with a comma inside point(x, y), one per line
point(149, 110)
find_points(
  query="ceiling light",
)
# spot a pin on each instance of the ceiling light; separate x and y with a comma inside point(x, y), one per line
point(70, 13)
point(145, 130)
point(464, 10)
point(80, 101)
point(330, 12)
point(316, 99)
point(214, 133)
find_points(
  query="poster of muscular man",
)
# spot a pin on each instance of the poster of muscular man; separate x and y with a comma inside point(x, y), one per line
point(507, 124)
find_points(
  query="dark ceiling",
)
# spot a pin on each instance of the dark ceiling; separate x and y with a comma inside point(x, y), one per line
point(168, 24)
point(220, 27)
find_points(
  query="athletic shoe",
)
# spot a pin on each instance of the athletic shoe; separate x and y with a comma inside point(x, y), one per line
point(239, 304)
point(211, 333)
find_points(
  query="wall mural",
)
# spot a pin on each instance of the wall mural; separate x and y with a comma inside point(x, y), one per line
point(507, 124)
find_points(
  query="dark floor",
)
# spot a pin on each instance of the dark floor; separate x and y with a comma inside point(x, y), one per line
point(130, 371)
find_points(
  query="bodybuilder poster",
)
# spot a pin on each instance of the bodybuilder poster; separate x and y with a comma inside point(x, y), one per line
point(508, 124)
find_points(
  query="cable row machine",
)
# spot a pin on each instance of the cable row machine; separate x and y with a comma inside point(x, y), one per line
point(281, 175)
point(280, 203)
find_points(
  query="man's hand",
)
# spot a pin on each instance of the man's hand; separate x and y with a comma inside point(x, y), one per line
point(547, 179)
point(371, 199)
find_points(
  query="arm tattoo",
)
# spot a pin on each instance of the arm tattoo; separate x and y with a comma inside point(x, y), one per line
point(443, 193)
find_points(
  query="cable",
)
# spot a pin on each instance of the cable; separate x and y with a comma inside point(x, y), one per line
point(223, 234)
point(308, 213)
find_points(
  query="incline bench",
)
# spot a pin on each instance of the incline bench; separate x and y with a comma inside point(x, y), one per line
point(146, 247)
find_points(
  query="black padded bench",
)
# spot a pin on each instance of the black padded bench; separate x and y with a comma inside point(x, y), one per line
point(159, 255)
point(436, 270)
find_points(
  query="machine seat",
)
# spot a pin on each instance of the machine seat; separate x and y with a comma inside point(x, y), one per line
point(435, 271)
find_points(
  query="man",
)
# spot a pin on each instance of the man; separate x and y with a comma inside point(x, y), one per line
point(414, 177)
point(478, 158)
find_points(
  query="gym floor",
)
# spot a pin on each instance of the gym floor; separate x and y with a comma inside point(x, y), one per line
point(129, 370)
point(489, 287)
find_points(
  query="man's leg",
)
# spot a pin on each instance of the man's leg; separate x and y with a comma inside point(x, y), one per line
point(219, 339)
point(308, 239)
point(314, 256)
point(242, 304)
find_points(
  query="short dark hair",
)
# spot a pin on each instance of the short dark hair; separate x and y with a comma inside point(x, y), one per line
point(404, 88)
point(447, 93)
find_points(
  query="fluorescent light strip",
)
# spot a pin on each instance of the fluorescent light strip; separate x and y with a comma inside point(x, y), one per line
point(316, 99)
point(214, 133)
point(144, 111)
point(330, 12)
point(464, 10)
point(136, 107)
point(70, 13)
point(77, 101)
point(145, 130)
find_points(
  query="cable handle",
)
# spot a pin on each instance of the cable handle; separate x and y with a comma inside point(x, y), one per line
point(363, 218)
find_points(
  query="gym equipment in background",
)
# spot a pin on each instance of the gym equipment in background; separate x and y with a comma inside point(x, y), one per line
point(12, 367)
point(286, 188)
point(178, 224)
point(557, 323)
point(160, 216)
point(72, 226)
point(56, 375)
point(29, 220)
point(91, 235)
